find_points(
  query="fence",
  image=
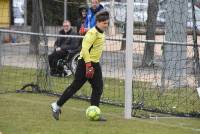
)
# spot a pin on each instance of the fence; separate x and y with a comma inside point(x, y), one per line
point(167, 84)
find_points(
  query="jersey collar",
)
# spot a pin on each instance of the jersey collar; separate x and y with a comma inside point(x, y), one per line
point(98, 29)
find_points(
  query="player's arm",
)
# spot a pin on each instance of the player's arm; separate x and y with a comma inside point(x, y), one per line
point(88, 41)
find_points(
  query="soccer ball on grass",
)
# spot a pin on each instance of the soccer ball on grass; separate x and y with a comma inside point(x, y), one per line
point(93, 113)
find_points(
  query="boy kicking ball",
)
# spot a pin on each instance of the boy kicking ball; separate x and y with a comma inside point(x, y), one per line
point(88, 68)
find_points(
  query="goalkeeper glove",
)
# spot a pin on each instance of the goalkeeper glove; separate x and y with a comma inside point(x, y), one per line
point(89, 70)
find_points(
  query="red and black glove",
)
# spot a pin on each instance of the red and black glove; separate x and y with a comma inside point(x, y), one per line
point(89, 70)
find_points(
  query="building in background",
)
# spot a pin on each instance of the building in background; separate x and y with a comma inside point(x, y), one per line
point(5, 14)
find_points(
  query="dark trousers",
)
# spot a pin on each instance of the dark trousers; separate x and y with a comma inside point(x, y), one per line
point(53, 59)
point(79, 80)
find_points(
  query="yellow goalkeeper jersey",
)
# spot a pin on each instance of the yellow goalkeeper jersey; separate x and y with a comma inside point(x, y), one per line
point(92, 45)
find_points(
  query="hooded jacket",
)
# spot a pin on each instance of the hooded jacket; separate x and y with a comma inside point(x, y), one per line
point(90, 18)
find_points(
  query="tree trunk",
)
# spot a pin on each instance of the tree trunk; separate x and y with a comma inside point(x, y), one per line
point(152, 12)
point(175, 55)
point(123, 44)
point(35, 27)
point(1, 42)
point(196, 64)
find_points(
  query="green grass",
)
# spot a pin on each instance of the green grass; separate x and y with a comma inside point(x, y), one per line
point(12, 78)
point(185, 100)
point(30, 114)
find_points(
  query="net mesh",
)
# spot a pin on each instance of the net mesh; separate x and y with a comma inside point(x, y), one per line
point(165, 82)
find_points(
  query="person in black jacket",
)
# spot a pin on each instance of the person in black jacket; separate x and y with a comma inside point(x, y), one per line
point(62, 46)
point(81, 20)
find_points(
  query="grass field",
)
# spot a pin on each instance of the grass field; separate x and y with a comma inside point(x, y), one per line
point(184, 99)
point(30, 114)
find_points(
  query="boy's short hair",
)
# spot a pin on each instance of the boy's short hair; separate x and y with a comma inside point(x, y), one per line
point(102, 16)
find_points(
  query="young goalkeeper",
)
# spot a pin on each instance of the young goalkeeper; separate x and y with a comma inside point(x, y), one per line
point(88, 68)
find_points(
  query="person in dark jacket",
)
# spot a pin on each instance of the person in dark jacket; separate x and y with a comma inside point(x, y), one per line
point(90, 21)
point(62, 46)
point(81, 20)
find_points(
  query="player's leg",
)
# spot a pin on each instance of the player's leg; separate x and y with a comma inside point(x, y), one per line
point(97, 87)
point(77, 83)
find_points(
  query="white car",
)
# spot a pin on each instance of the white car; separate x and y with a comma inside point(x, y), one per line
point(197, 16)
point(140, 11)
point(18, 16)
point(119, 10)
point(162, 15)
point(19, 21)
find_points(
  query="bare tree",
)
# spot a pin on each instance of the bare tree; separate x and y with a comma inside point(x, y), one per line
point(35, 27)
point(123, 43)
point(1, 41)
point(175, 55)
point(152, 12)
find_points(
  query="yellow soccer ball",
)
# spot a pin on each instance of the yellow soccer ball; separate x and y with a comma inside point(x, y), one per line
point(93, 113)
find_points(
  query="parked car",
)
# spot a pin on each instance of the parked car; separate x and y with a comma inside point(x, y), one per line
point(18, 16)
point(161, 18)
point(162, 15)
point(190, 19)
point(140, 11)
point(119, 12)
